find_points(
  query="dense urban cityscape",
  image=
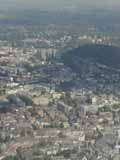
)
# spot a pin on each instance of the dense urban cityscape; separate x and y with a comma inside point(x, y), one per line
point(52, 108)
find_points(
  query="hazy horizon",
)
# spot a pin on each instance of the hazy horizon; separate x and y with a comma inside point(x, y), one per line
point(56, 4)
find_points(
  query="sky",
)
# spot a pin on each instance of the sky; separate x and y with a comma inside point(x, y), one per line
point(58, 4)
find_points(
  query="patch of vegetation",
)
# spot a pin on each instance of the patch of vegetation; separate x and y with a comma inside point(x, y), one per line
point(102, 54)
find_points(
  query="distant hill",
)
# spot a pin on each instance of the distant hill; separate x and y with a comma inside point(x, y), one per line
point(101, 54)
point(103, 20)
